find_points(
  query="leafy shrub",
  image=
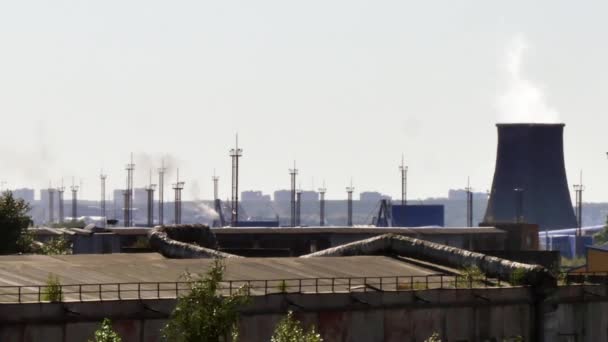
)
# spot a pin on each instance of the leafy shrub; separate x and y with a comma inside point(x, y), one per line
point(282, 286)
point(289, 329)
point(105, 333)
point(204, 314)
point(57, 246)
point(52, 291)
point(433, 338)
point(518, 277)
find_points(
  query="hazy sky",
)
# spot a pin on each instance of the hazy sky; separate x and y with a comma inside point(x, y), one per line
point(343, 87)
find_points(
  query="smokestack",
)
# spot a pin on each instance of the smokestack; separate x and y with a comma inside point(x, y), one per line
point(530, 158)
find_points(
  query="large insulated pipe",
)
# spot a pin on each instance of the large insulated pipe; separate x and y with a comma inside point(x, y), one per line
point(530, 159)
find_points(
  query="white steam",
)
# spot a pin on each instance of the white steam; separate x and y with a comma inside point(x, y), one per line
point(523, 101)
point(204, 213)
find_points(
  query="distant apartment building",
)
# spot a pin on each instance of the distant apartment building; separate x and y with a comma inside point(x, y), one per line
point(461, 195)
point(118, 196)
point(254, 196)
point(285, 196)
point(373, 196)
point(140, 197)
point(310, 196)
point(25, 194)
point(282, 196)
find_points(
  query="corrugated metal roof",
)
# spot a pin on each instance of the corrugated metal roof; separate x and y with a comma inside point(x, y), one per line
point(152, 267)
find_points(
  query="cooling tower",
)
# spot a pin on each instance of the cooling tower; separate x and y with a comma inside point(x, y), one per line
point(530, 158)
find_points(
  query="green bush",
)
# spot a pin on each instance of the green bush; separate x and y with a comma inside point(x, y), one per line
point(282, 286)
point(205, 314)
point(14, 220)
point(289, 329)
point(433, 338)
point(518, 277)
point(57, 246)
point(105, 333)
point(52, 291)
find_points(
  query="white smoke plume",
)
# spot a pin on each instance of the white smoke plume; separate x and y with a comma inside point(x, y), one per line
point(203, 211)
point(523, 101)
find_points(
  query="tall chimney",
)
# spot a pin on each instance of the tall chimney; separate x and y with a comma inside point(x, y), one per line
point(530, 160)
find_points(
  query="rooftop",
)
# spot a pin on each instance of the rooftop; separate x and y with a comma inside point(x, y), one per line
point(149, 275)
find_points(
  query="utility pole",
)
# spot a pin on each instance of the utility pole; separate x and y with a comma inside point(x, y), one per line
point(74, 189)
point(293, 173)
point(161, 193)
point(349, 190)
point(235, 154)
point(102, 203)
point(150, 192)
point(322, 192)
point(178, 187)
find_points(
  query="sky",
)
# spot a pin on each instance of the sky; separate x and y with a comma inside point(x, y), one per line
point(345, 88)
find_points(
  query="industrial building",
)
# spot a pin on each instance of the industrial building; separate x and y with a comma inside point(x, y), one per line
point(377, 284)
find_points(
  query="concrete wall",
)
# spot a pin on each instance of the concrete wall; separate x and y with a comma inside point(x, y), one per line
point(462, 315)
point(98, 243)
point(577, 314)
point(573, 313)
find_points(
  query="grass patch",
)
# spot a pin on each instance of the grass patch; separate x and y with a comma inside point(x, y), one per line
point(52, 291)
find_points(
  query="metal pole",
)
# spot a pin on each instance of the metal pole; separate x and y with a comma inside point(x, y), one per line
point(469, 195)
point(403, 168)
point(74, 189)
point(235, 154)
point(178, 187)
point(150, 192)
point(322, 206)
point(161, 193)
point(51, 206)
point(349, 219)
point(60, 192)
point(293, 173)
point(298, 206)
point(102, 203)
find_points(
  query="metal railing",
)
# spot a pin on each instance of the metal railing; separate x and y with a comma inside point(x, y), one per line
point(171, 290)
point(584, 278)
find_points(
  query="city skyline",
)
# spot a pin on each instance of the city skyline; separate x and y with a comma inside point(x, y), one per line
point(345, 97)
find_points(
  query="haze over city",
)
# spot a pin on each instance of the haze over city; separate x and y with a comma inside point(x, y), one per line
point(345, 88)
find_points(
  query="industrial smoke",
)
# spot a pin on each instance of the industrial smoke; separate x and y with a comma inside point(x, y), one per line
point(522, 99)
